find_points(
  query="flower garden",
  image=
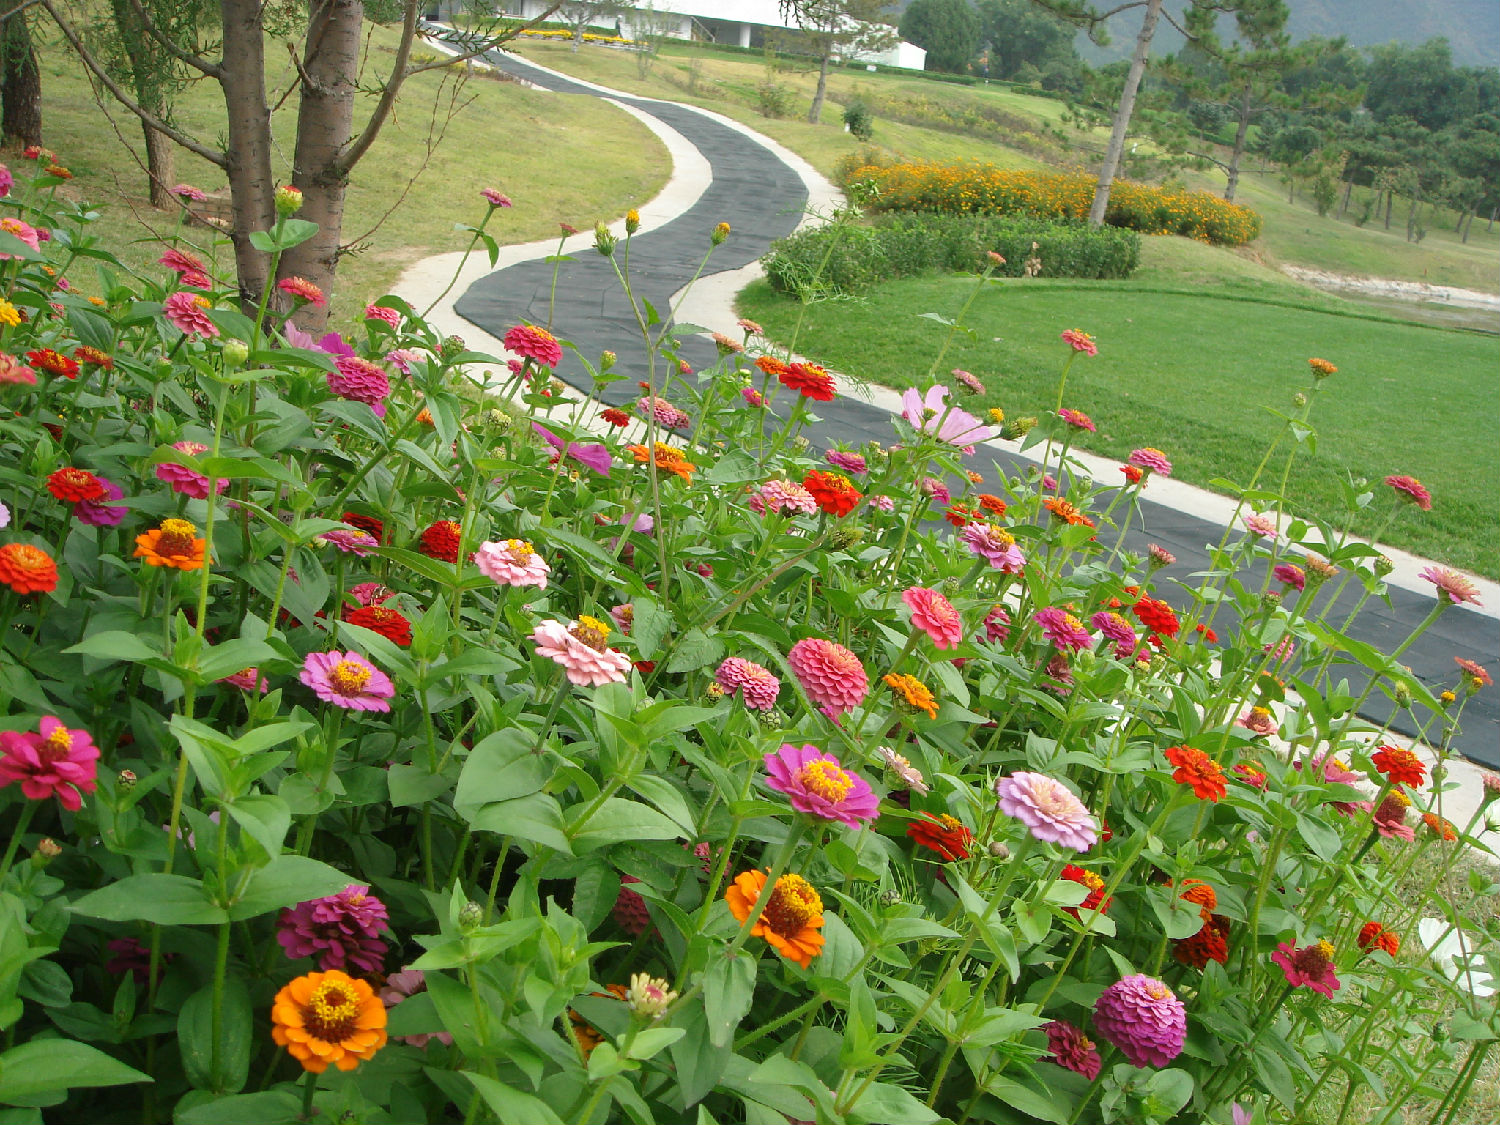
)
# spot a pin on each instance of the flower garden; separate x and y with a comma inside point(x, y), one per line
point(382, 742)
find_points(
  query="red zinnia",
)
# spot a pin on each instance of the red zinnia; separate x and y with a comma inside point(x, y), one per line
point(1157, 616)
point(85, 354)
point(1208, 944)
point(1400, 767)
point(1372, 935)
point(375, 527)
point(1412, 489)
point(615, 417)
point(54, 363)
point(1095, 899)
point(808, 378)
point(1132, 474)
point(74, 485)
point(1197, 769)
point(27, 569)
point(959, 516)
point(943, 834)
point(833, 492)
point(390, 624)
point(440, 541)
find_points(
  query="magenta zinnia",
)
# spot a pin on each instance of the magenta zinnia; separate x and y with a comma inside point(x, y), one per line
point(1070, 1049)
point(56, 762)
point(187, 481)
point(359, 380)
point(815, 783)
point(187, 312)
point(995, 546)
point(1143, 1017)
point(1311, 966)
point(533, 343)
point(935, 616)
point(340, 930)
point(1115, 628)
point(1063, 629)
point(1049, 809)
point(829, 673)
point(348, 680)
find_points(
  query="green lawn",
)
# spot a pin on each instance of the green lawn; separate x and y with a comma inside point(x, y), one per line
point(1189, 370)
point(559, 157)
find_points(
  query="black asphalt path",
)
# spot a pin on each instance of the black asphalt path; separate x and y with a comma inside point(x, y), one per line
point(762, 199)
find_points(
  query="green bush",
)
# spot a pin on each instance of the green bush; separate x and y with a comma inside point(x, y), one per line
point(831, 261)
point(859, 119)
point(774, 99)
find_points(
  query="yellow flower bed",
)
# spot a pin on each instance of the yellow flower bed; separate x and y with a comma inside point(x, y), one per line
point(564, 33)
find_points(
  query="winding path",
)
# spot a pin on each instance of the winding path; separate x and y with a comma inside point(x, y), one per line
point(762, 198)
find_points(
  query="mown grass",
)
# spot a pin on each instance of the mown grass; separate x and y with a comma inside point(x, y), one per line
point(1196, 372)
point(559, 157)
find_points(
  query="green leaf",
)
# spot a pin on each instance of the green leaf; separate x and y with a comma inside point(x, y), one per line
point(653, 1040)
point(511, 1104)
point(269, 1107)
point(699, 1064)
point(195, 1038)
point(649, 625)
point(115, 645)
point(728, 990)
point(265, 817)
point(50, 1066)
point(167, 900)
point(538, 818)
point(502, 767)
point(286, 881)
point(885, 1104)
point(665, 796)
point(619, 819)
point(1027, 1100)
point(693, 650)
point(412, 786)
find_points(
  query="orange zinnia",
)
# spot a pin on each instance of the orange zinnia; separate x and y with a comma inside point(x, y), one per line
point(1066, 512)
point(1197, 769)
point(668, 458)
point(792, 916)
point(913, 692)
point(1400, 766)
point(174, 544)
point(330, 1017)
point(1201, 895)
point(944, 834)
point(27, 569)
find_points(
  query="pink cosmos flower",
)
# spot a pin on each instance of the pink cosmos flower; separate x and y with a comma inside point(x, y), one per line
point(1115, 628)
point(783, 497)
point(996, 624)
point(847, 460)
point(402, 986)
point(350, 540)
point(1049, 809)
point(1152, 460)
point(1451, 585)
point(1311, 966)
point(187, 481)
point(1290, 574)
point(57, 762)
point(340, 930)
point(1080, 341)
point(935, 616)
point(593, 456)
point(930, 414)
point(512, 562)
point(1064, 630)
point(580, 649)
point(815, 783)
point(1143, 1017)
point(359, 380)
point(1070, 1049)
point(185, 311)
point(1077, 419)
point(534, 343)
point(248, 679)
point(829, 673)
point(759, 687)
point(495, 198)
point(103, 512)
point(995, 546)
point(348, 680)
point(1412, 489)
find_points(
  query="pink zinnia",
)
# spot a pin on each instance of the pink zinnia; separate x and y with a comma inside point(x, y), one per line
point(248, 679)
point(1311, 966)
point(759, 687)
point(187, 481)
point(181, 262)
point(846, 460)
point(1257, 720)
point(348, 680)
point(13, 371)
point(1412, 489)
point(371, 593)
point(667, 415)
point(57, 762)
point(581, 650)
point(1290, 574)
point(534, 343)
point(512, 562)
point(935, 488)
point(930, 414)
point(995, 546)
point(883, 503)
point(969, 381)
point(1077, 419)
point(1143, 1017)
point(630, 908)
point(815, 783)
point(304, 290)
point(1049, 809)
point(359, 380)
point(1064, 630)
point(102, 511)
point(1160, 556)
point(1115, 628)
point(1153, 460)
point(1390, 818)
point(188, 191)
point(24, 231)
point(996, 624)
point(340, 930)
point(402, 986)
point(185, 311)
point(384, 314)
point(1262, 526)
point(783, 497)
point(495, 198)
point(1080, 342)
point(829, 673)
point(935, 616)
point(350, 540)
point(1451, 585)
point(402, 359)
point(752, 396)
point(1334, 772)
point(1070, 1049)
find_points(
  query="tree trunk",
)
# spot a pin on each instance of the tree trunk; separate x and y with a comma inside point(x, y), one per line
point(1390, 197)
point(817, 103)
point(150, 75)
point(1239, 146)
point(1348, 191)
point(578, 35)
point(20, 84)
point(161, 166)
point(1468, 226)
point(1491, 224)
point(1122, 114)
point(251, 187)
point(325, 120)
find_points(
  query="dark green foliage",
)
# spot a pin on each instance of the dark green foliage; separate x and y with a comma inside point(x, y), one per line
point(947, 29)
point(835, 261)
point(859, 119)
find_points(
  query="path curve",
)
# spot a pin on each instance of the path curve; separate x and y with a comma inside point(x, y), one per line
point(754, 189)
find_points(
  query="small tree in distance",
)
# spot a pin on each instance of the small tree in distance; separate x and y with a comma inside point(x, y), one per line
point(839, 27)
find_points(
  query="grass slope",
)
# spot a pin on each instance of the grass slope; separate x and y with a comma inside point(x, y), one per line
point(559, 157)
point(1190, 371)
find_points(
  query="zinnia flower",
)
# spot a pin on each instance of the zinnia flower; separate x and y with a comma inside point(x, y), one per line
point(1065, 512)
point(389, 623)
point(1321, 368)
point(495, 198)
point(1262, 526)
point(1115, 628)
point(996, 624)
point(912, 692)
point(1372, 936)
point(1064, 630)
point(630, 909)
point(1141, 1016)
point(350, 540)
point(330, 1017)
point(359, 380)
point(581, 650)
point(666, 458)
point(833, 493)
point(809, 379)
point(932, 415)
point(900, 772)
point(57, 762)
point(1077, 419)
point(186, 311)
point(1094, 900)
point(790, 919)
point(1452, 586)
point(188, 191)
point(1080, 341)
point(348, 680)
point(1400, 766)
point(53, 363)
point(440, 541)
point(1070, 1049)
point(341, 930)
point(1157, 616)
point(384, 314)
point(935, 616)
point(969, 381)
point(783, 497)
point(513, 562)
point(1049, 809)
point(943, 834)
point(303, 290)
point(759, 688)
point(1151, 460)
point(27, 569)
point(1411, 488)
point(667, 415)
point(830, 675)
point(995, 546)
point(374, 527)
point(403, 986)
point(533, 343)
point(1258, 720)
point(248, 679)
point(1311, 966)
point(14, 372)
point(648, 996)
point(1289, 574)
point(849, 461)
point(1197, 769)
point(73, 484)
point(1210, 943)
point(815, 783)
point(189, 482)
point(1440, 827)
point(103, 511)
point(174, 544)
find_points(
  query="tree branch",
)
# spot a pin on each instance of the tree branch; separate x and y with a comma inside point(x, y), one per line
point(197, 63)
point(191, 144)
point(486, 44)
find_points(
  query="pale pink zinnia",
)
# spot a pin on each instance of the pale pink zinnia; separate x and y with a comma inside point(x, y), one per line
point(187, 481)
point(186, 311)
point(969, 381)
point(1049, 809)
point(348, 680)
point(667, 415)
point(1080, 341)
point(581, 650)
point(495, 198)
point(13, 371)
point(188, 191)
point(1262, 526)
point(815, 783)
point(383, 313)
point(829, 673)
point(995, 546)
point(1451, 585)
point(1064, 630)
point(512, 562)
point(402, 986)
point(783, 497)
point(935, 616)
point(350, 540)
point(1152, 460)
point(757, 685)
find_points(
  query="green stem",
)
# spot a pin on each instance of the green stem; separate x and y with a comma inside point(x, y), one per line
point(28, 810)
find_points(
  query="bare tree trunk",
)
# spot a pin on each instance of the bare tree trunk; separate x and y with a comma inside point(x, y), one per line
point(20, 84)
point(1122, 114)
point(1348, 191)
point(578, 34)
point(325, 121)
point(1239, 145)
point(1390, 196)
point(817, 103)
point(161, 166)
point(1468, 226)
point(1491, 224)
point(251, 187)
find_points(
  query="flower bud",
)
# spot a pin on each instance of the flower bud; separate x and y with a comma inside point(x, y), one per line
point(1383, 566)
point(846, 536)
point(998, 850)
point(800, 444)
point(721, 232)
point(1017, 428)
point(604, 242)
point(288, 200)
point(771, 720)
point(452, 346)
point(1299, 399)
point(606, 361)
point(470, 915)
point(648, 996)
point(236, 352)
point(1491, 788)
point(1402, 694)
point(1271, 599)
point(1446, 698)
point(632, 221)
point(47, 849)
point(126, 781)
point(952, 585)
point(890, 897)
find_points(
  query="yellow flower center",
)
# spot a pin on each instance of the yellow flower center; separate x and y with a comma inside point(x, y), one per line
point(349, 677)
point(997, 415)
point(792, 905)
point(591, 631)
point(826, 780)
point(1091, 880)
point(332, 1012)
point(951, 823)
point(520, 551)
point(1051, 798)
point(176, 537)
point(1073, 624)
point(55, 746)
point(1158, 991)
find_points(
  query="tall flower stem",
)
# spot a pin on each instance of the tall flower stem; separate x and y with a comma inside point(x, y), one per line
point(28, 810)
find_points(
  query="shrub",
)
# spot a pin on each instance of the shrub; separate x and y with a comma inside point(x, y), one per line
point(774, 99)
point(906, 245)
point(985, 189)
point(859, 119)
